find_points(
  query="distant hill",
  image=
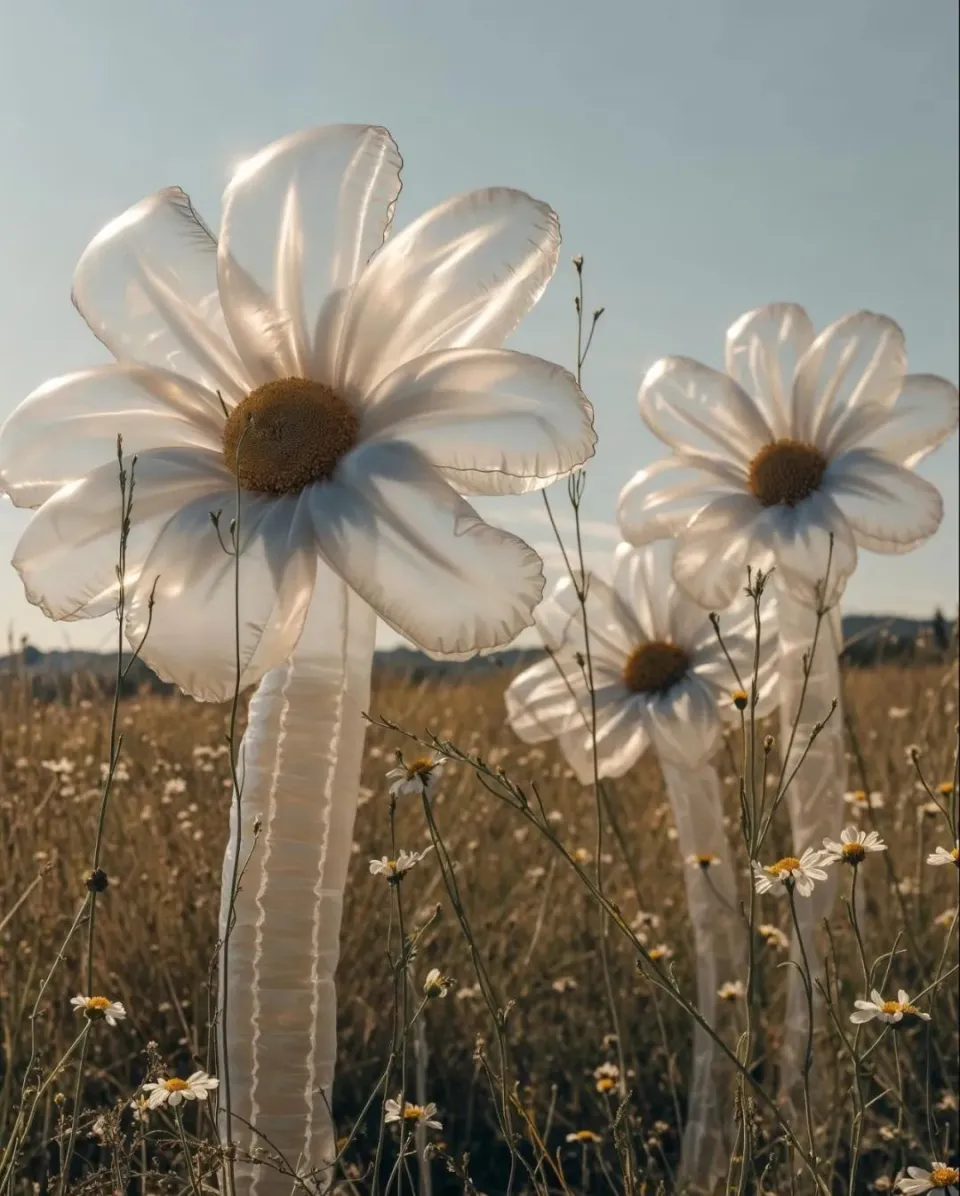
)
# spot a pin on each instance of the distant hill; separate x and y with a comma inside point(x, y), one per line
point(869, 637)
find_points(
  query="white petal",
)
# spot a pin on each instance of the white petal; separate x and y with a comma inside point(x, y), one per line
point(923, 415)
point(302, 218)
point(858, 360)
point(762, 353)
point(147, 286)
point(800, 538)
point(541, 702)
point(613, 629)
point(889, 508)
point(661, 500)
point(421, 556)
point(643, 581)
point(462, 276)
point(713, 554)
point(621, 740)
point(697, 410)
point(683, 724)
point(491, 420)
point(70, 425)
point(191, 636)
point(68, 555)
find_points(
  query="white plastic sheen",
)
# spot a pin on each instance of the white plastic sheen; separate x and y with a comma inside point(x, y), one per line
point(815, 796)
point(720, 952)
point(299, 770)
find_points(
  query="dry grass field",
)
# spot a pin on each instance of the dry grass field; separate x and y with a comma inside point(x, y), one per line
point(530, 916)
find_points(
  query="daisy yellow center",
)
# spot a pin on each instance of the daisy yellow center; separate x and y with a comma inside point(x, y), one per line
point(99, 1003)
point(605, 1084)
point(860, 797)
point(789, 863)
point(897, 1007)
point(706, 859)
point(853, 853)
point(786, 472)
point(286, 434)
point(176, 1085)
point(940, 1177)
point(421, 767)
point(655, 667)
point(413, 1112)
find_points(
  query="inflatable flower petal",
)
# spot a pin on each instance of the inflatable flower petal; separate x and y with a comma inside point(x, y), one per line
point(660, 674)
point(802, 439)
point(354, 388)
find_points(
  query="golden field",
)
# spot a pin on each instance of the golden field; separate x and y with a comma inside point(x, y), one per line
point(530, 916)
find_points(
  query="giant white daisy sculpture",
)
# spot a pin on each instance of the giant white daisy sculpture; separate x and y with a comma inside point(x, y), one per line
point(661, 679)
point(354, 389)
point(798, 456)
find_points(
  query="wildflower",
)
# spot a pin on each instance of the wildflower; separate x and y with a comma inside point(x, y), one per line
point(419, 777)
point(703, 860)
point(436, 984)
point(790, 873)
point(581, 855)
point(886, 1011)
point(732, 990)
point(660, 951)
point(175, 785)
point(773, 935)
point(940, 1178)
point(944, 856)
point(740, 698)
point(860, 799)
point(99, 1009)
point(606, 1084)
point(171, 1090)
point(945, 788)
point(425, 1115)
point(394, 869)
point(896, 713)
point(563, 984)
point(912, 753)
point(853, 848)
point(946, 918)
point(608, 1071)
point(584, 1136)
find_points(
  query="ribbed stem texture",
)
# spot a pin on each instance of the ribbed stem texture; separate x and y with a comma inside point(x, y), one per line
point(299, 770)
point(815, 796)
point(720, 952)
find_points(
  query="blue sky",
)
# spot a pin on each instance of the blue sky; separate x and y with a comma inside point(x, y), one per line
point(704, 157)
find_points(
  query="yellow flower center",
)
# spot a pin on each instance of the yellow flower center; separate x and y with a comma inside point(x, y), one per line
point(421, 767)
point(860, 797)
point(391, 865)
point(175, 1084)
point(706, 859)
point(413, 1112)
point(655, 668)
point(786, 472)
point(98, 1003)
point(605, 1084)
point(945, 788)
point(853, 853)
point(789, 863)
point(942, 1177)
point(286, 434)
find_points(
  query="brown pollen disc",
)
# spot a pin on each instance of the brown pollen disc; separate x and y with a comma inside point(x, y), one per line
point(287, 434)
point(655, 667)
point(786, 472)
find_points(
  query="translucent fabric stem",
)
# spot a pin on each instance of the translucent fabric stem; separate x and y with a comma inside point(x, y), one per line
point(815, 795)
point(299, 770)
point(720, 950)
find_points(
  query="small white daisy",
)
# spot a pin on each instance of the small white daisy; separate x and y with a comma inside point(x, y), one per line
point(944, 855)
point(940, 1178)
point(860, 799)
point(394, 869)
point(171, 1090)
point(732, 990)
point(99, 1009)
point(436, 984)
point(418, 777)
point(773, 935)
point(425, 1115)
point(790, 872)
point(704, 860)
point(886, 1011)
point(853, 848)
point(584, 1137)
